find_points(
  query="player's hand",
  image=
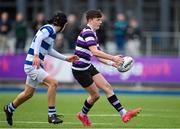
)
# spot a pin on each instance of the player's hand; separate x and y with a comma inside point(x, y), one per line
point(118, 59)
point(36, 61)
point(115, 65)
point(72, 58)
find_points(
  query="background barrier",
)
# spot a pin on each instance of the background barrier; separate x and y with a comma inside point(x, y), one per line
point(145, 69)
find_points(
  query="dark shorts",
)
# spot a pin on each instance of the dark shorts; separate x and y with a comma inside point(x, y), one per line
point(85, 77)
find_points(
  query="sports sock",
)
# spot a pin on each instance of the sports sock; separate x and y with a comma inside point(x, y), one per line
point(117, 105)
point(11, 107)
point(85, 108)
point(51, 110)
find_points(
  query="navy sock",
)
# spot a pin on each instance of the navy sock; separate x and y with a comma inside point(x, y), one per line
point(11, 107)
point(51, 110)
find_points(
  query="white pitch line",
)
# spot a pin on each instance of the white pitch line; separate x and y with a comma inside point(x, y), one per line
point(43, 122)
point(145, 110)
point(117, 115)
point(159, 110)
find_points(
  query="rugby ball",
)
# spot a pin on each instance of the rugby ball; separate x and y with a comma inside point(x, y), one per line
point(127, 64)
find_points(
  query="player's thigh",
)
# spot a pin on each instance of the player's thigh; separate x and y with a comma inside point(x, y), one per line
point(29, 90)
point(34, 76)
point(101, 82)
point(50, 81)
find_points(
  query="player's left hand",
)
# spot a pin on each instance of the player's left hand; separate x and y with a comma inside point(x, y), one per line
point(72, 58)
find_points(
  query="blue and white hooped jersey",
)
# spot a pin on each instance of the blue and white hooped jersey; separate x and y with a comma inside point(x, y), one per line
point(42, 42)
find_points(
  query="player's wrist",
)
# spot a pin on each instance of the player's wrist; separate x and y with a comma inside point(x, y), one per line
point(66, 58)
point(63, 57)
point(113, 59)
point(36, 55)
point(110, 63)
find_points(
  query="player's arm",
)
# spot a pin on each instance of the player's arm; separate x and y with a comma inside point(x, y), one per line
point(90, 39)
point(107, 62)
point(52, 52)
point(98, 53)
point(39, 37)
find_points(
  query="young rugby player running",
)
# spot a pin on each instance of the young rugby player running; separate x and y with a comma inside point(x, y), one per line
point(88, 76)
point(42, 45)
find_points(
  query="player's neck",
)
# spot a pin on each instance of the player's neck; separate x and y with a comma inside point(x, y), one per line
point(57, 28)
point(91, 26)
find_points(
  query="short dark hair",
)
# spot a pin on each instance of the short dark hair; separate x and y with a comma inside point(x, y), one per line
point(90, 14)
point(58, 19)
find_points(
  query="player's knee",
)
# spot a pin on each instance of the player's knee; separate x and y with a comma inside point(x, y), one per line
point(54, 84)
point(96, 97)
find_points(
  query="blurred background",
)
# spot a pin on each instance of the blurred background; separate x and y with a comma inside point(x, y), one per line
point(147, 30)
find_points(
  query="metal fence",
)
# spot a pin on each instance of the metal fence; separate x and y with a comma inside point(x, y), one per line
point(161, 44)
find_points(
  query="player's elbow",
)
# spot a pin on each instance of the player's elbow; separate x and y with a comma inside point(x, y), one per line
point(95, 52)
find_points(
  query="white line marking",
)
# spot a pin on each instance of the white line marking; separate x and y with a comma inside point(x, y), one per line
point(43, 122)
point(115, 115)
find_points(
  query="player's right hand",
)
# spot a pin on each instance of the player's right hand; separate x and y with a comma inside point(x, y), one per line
point(115, 65)
point(36, 61)
point(118, 59)
point(72, 58)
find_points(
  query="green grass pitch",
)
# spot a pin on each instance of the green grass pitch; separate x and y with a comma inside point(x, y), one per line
point(157, 111)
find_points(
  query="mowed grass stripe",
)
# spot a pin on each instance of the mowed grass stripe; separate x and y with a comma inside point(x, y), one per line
point(157, 111)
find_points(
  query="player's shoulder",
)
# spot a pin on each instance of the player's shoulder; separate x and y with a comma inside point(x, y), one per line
point(48, 28)
point(87, 30)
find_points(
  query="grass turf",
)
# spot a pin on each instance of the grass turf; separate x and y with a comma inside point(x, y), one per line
point(157, 111)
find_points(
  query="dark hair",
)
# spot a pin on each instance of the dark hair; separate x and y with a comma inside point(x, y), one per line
point(58, 19)
point(90, 14)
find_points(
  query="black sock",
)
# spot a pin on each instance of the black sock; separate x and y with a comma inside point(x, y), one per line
point(86, 108)
point(115, 103)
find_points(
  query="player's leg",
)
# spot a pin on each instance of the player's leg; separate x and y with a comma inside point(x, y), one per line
point(52, 85)
point(21, 98)
point(92, 98)
point(88, 104)
point(86, 81)
point(101, 83)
